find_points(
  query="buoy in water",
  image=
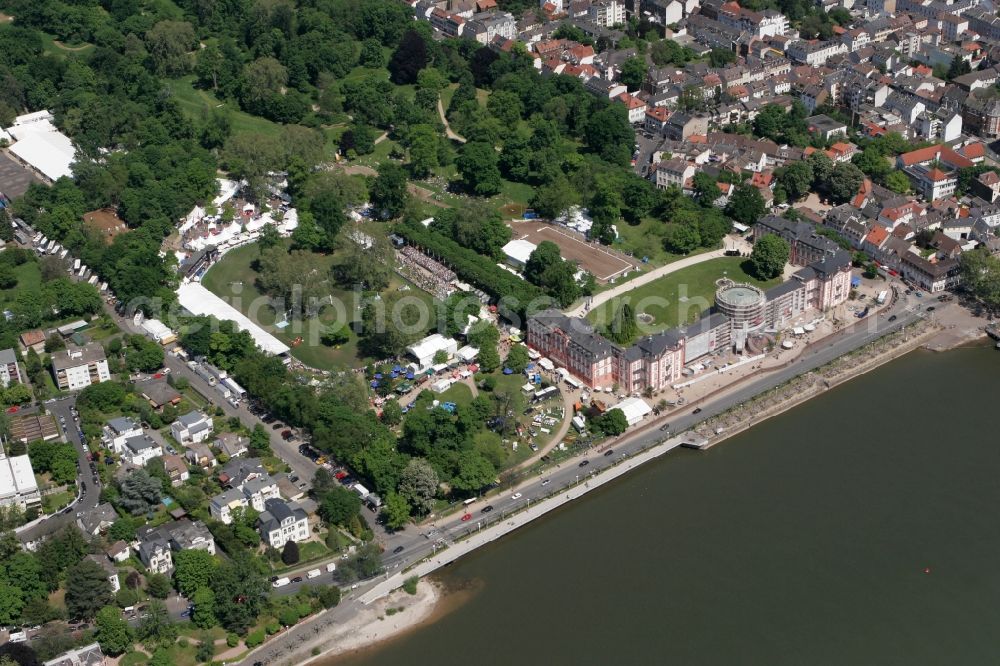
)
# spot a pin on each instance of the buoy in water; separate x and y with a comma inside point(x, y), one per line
point(927, 570)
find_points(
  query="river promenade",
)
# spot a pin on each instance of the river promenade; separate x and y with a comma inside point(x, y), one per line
point(872, 349)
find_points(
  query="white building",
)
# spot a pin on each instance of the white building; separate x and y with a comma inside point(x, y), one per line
point(17, 482)
point(674, 172)
point(634, 409)
point(281, 522)
point(138, 451)
point(158, 331)
point(118, 431)
point(41, 146)
point(518, 252)
point(252, 487)
point(192, 427)
point(425, 350)
point(607, 13)
point(78, 368)
point(10, 368)
point(109, 569)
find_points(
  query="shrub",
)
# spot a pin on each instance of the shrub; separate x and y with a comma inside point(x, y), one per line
point(410, 585)
point(288, 616)
point(330, 596)
point(272, 627)
point(255, 638)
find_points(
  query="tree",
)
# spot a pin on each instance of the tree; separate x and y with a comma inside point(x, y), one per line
point(371, 54)
point(554, 198)
point(193, 569)
point(328, 211)
point(822, 167)
point(269, 237)
point(143, 354)
point(958, 67)
point(845, 180)
point(139, 492)
point(980, 273)
point(290, 553)
point(541, 259)
point(409, 58)
point(87, 590)
point(113, 632)
point(624, 325)
point(418, 484)
point(240, 592)
point(706, 189)
point(633, 73)
point(338, 506)
point(796, 179)
point(392, 413)
point(719, 57)
point(746, 205)
point(478, 165)
point(158, 585)
point(155, 626)
point(609, 134)
point(769, 256)
point(388, 192)
point(489, 358)
point(169, 43)
point(612, 422)
point(360, 138)
point(366, 261)
point(425, 150)
point(11, 603)
point(681, 238)
point(517, 359)
point(396, 511)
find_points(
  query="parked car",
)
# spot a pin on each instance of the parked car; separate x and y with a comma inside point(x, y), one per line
point(584, 463)
point(487, 509)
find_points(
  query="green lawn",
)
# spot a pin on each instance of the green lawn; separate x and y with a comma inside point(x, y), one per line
point(459, 393)
point(235, 268)
point(195, 103)
point(678, 298)
point(29, 278)
point(646, 240)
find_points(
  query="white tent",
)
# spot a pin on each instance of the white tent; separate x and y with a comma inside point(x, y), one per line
point(41, 146)
point(634, 409)
point(518, 252)
point(198, 300)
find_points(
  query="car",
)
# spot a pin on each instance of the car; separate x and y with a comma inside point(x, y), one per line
point(931, 308)
point(893, 318)
point(487, 508)
point(297, 579)
point(697, 410)
point(268, 420)
point(609, 452)
point(920, 294)
point(584, 463)
point(86, 448)
point(286, 435)
point(546, 482)
point(278, 426)
point(466, 517)
point(664, 427)
point(397, 550)
point(516, 496)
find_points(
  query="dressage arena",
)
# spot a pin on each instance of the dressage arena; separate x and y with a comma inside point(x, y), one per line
point(605, 264)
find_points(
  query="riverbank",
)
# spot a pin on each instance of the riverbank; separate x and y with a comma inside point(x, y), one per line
point(386, 619)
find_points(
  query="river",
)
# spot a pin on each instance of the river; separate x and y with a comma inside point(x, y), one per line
point(859, 528)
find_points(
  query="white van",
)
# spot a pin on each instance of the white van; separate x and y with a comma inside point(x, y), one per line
point(281, 582)
point(315, 573)
point(332, 566)
point(18, 637)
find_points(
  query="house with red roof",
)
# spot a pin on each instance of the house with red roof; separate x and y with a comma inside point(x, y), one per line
point(656, 119)
point(636, 107)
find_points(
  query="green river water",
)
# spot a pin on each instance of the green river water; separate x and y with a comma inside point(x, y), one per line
point(859, 528)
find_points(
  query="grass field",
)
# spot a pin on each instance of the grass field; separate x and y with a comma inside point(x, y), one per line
point(196, 103)
point(646, 240)
point(29, 278)
point(679, 298)
point(235, 268)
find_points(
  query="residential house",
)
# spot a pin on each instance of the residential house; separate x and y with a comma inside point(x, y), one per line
point(159, 393)
point(826, 126)
point(248, 485)
point(176, 469)
point(79, 367)
point(656, 119)
point(635, 107)
point(96, 520)
point(484, 27)
point(673, 172)
point(138, 451)
point(231, 444)
point(932, 276)
point(281, 522)
point(118, 430)
point(607, 13)
point(33, 339)
point(680, 126)
point(153, 548)
point(10, 368)
point(118, 552)
point(987, 186)
point(187, 535)
point(109, 569)
point(201, 455)
point(194, 426)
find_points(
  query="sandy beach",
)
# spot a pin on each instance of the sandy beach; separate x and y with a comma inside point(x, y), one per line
point(387, 618)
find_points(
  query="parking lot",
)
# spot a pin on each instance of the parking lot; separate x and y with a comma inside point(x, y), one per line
point(14, 178)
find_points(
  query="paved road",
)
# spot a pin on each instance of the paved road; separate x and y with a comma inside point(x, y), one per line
point(603, 297)
point(62, 407)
